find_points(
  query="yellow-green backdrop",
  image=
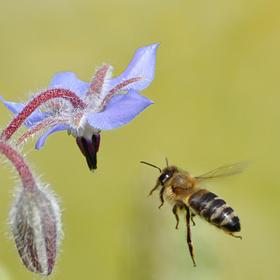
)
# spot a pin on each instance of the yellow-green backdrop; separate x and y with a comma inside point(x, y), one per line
point(217, 99)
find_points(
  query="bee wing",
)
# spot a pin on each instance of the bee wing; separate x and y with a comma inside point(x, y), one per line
point(224, 171)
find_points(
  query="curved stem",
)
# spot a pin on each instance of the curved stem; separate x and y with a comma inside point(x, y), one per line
point(20, 165)
point(35, 103)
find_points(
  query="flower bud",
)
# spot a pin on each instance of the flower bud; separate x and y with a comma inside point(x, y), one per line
point(35, 224)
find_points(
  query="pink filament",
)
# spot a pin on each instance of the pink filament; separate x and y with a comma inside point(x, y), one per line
point(35, 103)
point(19, 163)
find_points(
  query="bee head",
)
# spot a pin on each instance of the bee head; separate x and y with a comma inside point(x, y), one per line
point(166, 174)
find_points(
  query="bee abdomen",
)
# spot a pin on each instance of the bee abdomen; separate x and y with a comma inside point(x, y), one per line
point(214, 210)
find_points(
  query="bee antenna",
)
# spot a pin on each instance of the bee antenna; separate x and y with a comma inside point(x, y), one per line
point(166, 161)
point(151, 165)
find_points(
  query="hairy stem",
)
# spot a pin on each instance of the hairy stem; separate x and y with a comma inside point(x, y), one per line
point(35, 103)
point(20, 165)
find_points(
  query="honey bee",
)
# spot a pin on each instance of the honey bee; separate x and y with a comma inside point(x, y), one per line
point(184, 192)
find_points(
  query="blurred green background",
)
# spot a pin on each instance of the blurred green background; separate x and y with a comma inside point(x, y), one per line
point(216, 94)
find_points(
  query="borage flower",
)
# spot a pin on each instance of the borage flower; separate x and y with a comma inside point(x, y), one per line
point(84, 109)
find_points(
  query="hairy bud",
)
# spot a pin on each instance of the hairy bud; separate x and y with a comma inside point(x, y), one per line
point(35, 224)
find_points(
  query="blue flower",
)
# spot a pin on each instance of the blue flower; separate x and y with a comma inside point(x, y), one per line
point(109, 103)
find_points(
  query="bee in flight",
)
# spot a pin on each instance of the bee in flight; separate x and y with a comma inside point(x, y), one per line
point(184, 192)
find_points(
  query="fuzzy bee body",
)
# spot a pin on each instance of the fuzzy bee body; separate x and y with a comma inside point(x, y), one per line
point(183, 192)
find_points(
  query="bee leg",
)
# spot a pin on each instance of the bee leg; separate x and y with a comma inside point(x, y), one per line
point(192, 216)
point(236, 236)
point(189, 240)
point(174, 210)
point(161, 197)
point(153, 189)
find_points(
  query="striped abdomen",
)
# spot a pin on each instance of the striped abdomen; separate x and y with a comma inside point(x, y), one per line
point(214, 210)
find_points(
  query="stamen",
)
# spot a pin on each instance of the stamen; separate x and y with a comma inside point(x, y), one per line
point(89, 149)
point(35, 103)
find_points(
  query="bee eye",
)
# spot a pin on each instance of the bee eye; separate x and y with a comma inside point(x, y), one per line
point(163, 178)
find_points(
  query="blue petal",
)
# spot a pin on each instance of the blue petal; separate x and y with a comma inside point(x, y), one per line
point(16, 108)
point(120, 110)
point(41, 141)
point(142, 65)
point(69, 80)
